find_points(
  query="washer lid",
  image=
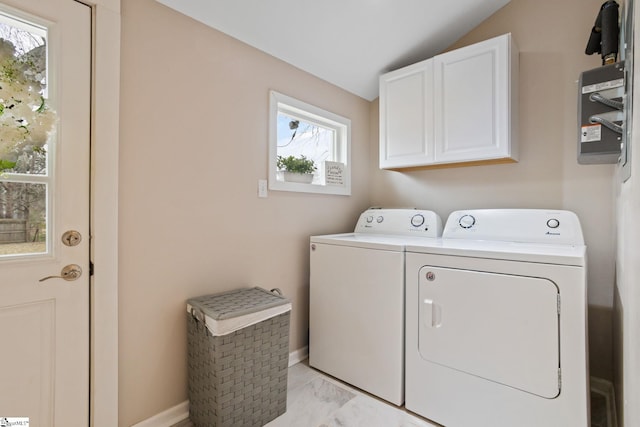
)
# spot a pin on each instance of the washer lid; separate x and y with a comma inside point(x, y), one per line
point(390, 229)
point(370, 241)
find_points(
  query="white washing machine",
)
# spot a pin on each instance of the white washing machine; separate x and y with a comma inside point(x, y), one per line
point(497, 321)
point(356, 301)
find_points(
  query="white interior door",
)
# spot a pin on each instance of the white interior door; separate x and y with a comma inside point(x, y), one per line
point(500, 327)
point(44, 192)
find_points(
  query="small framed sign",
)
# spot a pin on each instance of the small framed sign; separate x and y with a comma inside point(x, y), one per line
point(334, 173)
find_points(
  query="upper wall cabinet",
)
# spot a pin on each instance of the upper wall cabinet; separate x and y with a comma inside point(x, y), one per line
point(457, 107)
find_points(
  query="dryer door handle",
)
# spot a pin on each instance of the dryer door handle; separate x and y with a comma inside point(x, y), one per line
point(432, 316)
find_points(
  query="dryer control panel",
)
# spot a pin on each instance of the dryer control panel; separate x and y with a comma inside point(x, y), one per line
point(401, 222)
point(515, 225)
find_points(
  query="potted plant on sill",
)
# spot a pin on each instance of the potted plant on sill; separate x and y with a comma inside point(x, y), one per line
point(296, 169)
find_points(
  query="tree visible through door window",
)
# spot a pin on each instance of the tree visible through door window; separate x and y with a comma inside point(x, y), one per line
point(309, 148)
point(26, 123)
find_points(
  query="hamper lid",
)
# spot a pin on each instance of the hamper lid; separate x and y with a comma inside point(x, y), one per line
point(230, 311)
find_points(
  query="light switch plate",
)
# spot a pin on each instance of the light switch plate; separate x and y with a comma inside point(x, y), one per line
point(262, 188)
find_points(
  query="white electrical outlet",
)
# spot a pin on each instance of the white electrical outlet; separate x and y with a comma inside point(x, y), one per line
point(262, 188)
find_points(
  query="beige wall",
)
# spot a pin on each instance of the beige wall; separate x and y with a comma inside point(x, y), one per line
point(194, 117)
point(551, 36)
point(194, 109)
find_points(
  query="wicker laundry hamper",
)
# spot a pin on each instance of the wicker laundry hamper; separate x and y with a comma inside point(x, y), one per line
point(238, 349)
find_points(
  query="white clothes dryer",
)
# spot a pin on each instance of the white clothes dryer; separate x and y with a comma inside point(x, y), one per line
point(497, 321)
point(356, 301)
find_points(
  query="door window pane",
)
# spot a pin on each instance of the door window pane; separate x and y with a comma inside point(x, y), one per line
point(26, 119)
point(23, 213)
point(27, 125)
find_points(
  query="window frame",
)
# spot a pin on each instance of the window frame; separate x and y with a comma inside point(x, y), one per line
point(342, 126)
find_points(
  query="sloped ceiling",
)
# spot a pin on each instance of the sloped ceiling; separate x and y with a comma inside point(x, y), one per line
point(346, 42)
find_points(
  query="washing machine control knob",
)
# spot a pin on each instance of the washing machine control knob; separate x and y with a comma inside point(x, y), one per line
point(370, 219)
point(467, 221)
point(417, 220)
point(553, 223)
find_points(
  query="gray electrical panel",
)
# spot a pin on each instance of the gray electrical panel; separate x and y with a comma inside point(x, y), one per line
point(601, 114)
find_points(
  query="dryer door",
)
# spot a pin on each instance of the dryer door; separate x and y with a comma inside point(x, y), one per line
point(500, 327)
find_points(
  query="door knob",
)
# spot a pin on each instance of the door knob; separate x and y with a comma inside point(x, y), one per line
point(69, 273)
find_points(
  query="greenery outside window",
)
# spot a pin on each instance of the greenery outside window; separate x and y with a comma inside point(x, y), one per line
point(27, 141)
point(309, 148)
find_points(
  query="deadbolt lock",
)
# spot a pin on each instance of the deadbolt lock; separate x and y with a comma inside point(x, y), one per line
point(71, 238)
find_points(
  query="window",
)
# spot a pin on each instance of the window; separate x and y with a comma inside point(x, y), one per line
point(307, 139)
point(26, 122)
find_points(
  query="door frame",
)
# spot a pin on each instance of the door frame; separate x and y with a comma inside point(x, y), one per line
point(105, 113)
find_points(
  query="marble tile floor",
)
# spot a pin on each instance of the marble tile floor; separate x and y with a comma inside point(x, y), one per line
point(317, 400)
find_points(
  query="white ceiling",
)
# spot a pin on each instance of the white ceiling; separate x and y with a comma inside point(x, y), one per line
point(346, 42)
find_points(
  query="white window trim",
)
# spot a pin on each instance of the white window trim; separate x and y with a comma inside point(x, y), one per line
point(278, 101)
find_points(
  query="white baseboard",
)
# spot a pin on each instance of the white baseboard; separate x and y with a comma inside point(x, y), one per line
point(167, 418)
point(298, 355)
point(180, 412)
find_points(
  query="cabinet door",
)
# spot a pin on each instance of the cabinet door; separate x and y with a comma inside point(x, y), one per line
point(472, 102)
point(406, 116)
